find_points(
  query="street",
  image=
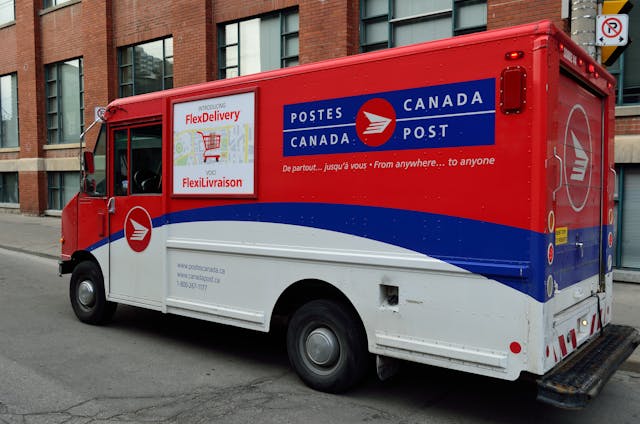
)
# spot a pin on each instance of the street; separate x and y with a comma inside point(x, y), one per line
point(153, 368)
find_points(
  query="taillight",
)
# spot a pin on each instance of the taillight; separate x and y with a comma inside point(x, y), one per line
point(513, 89)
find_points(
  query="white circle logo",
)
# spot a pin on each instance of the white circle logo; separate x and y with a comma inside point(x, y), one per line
point(578, 157)
point(138, 228)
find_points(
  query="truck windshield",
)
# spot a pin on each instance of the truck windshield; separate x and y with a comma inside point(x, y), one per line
point(95, 184)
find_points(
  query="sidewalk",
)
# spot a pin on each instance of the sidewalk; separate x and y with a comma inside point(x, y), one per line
point(41, 236)
point(30, 234)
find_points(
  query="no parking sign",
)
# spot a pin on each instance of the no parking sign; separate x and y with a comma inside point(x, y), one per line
point(612, 30)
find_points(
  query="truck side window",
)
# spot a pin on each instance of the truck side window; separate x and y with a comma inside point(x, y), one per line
point(146, 160)
point(96, 183)
point(120, 163)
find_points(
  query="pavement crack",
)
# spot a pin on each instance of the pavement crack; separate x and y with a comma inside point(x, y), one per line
point(204, 404)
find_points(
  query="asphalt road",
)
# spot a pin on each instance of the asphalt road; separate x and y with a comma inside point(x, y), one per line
point(152, 368)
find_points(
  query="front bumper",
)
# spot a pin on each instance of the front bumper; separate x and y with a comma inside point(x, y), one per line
point(65, 267)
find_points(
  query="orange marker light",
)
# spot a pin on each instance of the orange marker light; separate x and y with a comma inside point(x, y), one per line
point(518, 54)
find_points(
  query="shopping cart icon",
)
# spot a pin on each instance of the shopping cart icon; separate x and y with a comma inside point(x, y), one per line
point(211, 142)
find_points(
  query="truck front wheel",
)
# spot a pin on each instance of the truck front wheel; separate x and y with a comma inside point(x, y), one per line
point(327, 346)
point(87, 295)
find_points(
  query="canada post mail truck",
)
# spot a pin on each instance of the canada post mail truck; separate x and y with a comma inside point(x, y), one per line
point(448, 203)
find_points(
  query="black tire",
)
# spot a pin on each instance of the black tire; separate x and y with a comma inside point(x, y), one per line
point(328, 369)
point(87, 295)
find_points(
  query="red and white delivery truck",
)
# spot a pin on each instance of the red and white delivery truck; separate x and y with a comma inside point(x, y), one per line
point(448, 203)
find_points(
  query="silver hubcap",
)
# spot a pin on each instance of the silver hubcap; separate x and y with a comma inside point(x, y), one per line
point(322, 347)
point(86, 294)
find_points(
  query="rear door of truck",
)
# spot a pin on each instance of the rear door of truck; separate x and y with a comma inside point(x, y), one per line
point(578, 199)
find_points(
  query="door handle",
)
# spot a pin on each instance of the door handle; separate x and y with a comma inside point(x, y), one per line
point(111, 205)
point(580, 246)
point(102, 221)
point(559, 159)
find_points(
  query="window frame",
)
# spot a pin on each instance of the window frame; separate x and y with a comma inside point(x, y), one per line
point(117, 187)
point(285, 35)
point(60, 188)
point(620, 199)
point(619, 75)
point(48, 81)
point(48, 4)
point(3, 138)
point(13, 10)
point(2, 191)
point(393, 22)
point(132, 64)
point(100, 159)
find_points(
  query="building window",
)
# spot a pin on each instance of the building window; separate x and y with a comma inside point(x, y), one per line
point(62, 187)
point(147, 67)
point(390, 23)
point(65, 101)
point(627, 68)
point(9, 110)
point(9, 187)
point(258, 44)
point(7, 11)
point(628, 240)
point(52, 3)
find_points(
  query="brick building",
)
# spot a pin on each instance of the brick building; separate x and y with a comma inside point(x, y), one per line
point(60, 59)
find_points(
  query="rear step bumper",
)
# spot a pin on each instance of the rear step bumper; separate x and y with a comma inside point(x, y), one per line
point(580, 379)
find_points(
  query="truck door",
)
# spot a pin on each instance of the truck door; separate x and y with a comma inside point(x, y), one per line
point(578, 202)
point(136, 245)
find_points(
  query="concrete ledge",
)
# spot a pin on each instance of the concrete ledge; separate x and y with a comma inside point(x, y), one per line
point(633, 110)
point(627, 148)
point(626, 276)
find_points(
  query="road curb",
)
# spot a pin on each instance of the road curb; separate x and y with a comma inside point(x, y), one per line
point(28, 252)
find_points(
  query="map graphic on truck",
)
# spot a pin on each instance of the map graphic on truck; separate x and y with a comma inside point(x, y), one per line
point(213, 146)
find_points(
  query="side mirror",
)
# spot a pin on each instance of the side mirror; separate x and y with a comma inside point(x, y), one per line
point(89, 165)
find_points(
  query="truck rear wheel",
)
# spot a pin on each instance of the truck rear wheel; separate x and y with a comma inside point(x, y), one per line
point(87, 295)
point(327, 346)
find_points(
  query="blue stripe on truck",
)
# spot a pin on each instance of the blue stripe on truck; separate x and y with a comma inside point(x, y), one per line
point(512, 256)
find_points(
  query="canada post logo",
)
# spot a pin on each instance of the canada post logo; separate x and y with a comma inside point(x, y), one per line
point(375, 122)
point(137, 229)
point(578, 157)
point(450, 115)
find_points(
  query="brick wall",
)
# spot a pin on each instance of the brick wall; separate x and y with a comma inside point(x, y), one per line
point(504, 13)
point(30, 77)
point(62, 36)
point(99, 61)
point(32, 197)
point(31, 106)
point(192, 42)
point(9, 56)
point(628, 125)
point(327, 28)
point(95, 30)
